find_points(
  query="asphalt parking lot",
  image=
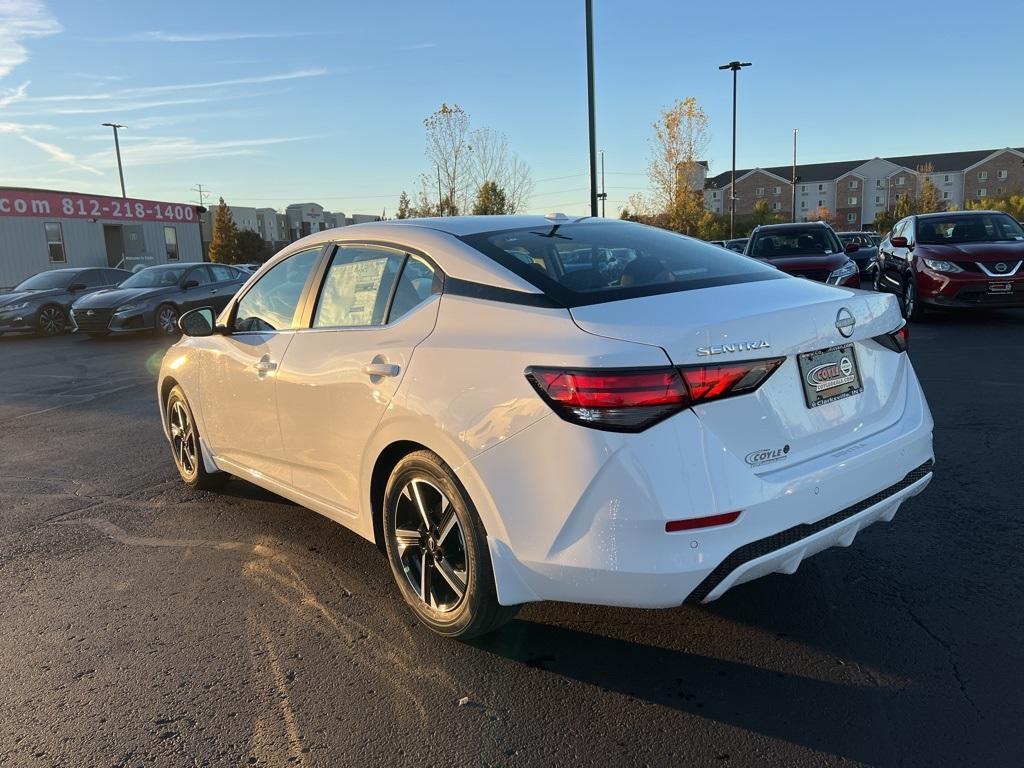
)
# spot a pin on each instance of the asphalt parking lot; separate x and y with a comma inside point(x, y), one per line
point(144, 624)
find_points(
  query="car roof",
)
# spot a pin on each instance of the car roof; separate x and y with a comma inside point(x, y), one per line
point(936, 214)
point(790, 226)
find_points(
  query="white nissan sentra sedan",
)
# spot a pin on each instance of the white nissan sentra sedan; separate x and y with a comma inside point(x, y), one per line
point(520, 408)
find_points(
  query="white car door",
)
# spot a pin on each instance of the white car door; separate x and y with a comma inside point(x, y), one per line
point(239, 374)
point(340, 374)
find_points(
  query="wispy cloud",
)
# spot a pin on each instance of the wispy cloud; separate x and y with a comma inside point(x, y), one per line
point(165, 150)
point(21, 20)
point(9, 96)
point(59, 154)
point(159, 36)
point(416, 47)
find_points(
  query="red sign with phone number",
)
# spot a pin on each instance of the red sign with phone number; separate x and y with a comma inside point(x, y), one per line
point(65, 205)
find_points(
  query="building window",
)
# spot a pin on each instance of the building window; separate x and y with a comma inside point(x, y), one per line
point(853, 183)
point(803, 188)
point(879, 184)
point(776, 190)
point(900, 181)
point(776, 206)
point(878, 199)
point(982, 175)
point(714, 195)
point(945, 179)
point(982, 192)
point(759, 191)
point(803, 204)
point(899, 195)
point(821, 203)
point(851, 217)
point(945, 195)
point(851, 201)
point(55, 241)
point(1001, 174)
point(171, 243)
point(821, 187)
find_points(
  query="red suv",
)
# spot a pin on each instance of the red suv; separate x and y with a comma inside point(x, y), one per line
point(809, 249)
point(954, 259)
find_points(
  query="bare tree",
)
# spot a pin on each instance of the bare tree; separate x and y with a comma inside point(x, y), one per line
point(448, 147)
point(493, 161)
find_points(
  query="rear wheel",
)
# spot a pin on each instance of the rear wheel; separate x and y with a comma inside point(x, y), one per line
point(166, 320)
point(51, 321)
point(437, 548)
point(188, 457)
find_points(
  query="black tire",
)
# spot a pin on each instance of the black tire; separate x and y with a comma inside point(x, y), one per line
point(185, 450)
point(51, 321)
point(457, 555)
point(165, 320)
point(913, 310)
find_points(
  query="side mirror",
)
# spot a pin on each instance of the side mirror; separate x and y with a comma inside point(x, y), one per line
point(190, 284)
point(197, 322)
point(76, 287)
point(899, 242)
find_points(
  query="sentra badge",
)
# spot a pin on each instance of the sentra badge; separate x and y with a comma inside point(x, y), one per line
point(739, 346)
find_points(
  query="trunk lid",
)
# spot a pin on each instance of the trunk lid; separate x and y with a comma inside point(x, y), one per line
point(772, 427)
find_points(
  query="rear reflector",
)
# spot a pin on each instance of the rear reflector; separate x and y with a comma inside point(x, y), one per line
point(700, 522)
point(632, 399)
point(897, 340)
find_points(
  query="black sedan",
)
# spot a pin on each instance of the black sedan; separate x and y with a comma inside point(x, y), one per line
point(42, 302)
point(155, 297)
point(866, 255)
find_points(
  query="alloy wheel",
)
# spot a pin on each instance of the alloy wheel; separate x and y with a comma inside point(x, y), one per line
point(167, 320)
point(909, 299)
point(183, 439)
point(51, 321)
point(431, 545)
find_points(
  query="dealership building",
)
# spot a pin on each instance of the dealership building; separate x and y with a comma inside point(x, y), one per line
point(44, 229)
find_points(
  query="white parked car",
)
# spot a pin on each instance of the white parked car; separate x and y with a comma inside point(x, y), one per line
point(511, 416)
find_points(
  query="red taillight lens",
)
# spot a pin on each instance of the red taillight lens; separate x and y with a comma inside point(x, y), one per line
point(692, 523)
point(897, 340)
point(632, 399)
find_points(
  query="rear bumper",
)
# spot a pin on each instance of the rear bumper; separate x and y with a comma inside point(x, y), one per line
point(588, 524)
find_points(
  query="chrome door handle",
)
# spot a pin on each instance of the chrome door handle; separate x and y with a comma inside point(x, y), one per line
point(264, 366)
point(381, 369)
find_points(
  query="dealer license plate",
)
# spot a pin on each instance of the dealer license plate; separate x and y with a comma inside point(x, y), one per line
point(829, 375)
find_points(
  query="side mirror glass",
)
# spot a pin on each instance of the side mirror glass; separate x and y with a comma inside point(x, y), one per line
point(197, 322)
point(190, 284)
point(899, 242)
point(852, 247)
point(76, 287)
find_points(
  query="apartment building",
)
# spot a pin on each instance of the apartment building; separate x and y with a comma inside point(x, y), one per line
point(855, 191)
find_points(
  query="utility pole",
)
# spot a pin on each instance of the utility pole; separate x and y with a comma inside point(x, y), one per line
point(198, 189)
point(590, 107)
point(603, 195)
point(735, 66)
point(440, 210)
point(117, 149)
point(795, 131)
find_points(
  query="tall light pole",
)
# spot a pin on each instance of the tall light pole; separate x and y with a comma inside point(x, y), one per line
point(590, 106)
point(603, 195)
point(793, 205)
point(735, 66)
point(117, 149)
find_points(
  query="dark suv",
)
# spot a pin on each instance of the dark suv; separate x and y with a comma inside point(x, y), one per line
point(953, 259)
point(810, 250)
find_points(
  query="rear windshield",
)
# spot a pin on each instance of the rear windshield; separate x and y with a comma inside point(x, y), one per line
point(863, 239)
point(794, 242)
point(588, 263)
point(972, 228)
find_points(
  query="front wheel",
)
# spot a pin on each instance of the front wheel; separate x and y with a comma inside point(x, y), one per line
point(188, 457)
point(437, 548)
point(166, 320)
point(912, 308)
point(52, 321)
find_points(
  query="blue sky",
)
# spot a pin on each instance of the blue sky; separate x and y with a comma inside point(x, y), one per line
point(269, 103)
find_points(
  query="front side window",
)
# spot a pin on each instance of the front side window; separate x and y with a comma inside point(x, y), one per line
point(55, 241)
point(587, 263)
point(271, 304)
point(357, 287)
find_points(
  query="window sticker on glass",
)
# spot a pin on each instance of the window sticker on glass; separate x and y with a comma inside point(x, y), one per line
point(351, 294)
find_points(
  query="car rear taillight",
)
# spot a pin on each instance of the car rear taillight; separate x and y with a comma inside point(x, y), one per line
point(632, 399)
point(897, 340)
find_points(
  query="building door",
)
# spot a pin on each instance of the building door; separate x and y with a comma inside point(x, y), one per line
point(115, 245)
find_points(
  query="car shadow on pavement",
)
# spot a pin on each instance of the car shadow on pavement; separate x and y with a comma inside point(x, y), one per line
point(816, 714)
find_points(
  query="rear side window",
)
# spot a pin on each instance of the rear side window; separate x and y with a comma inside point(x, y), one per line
point(415, 285)
point(270, 305)
point(357, 287)
point(223, 274)
point(587, 263)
